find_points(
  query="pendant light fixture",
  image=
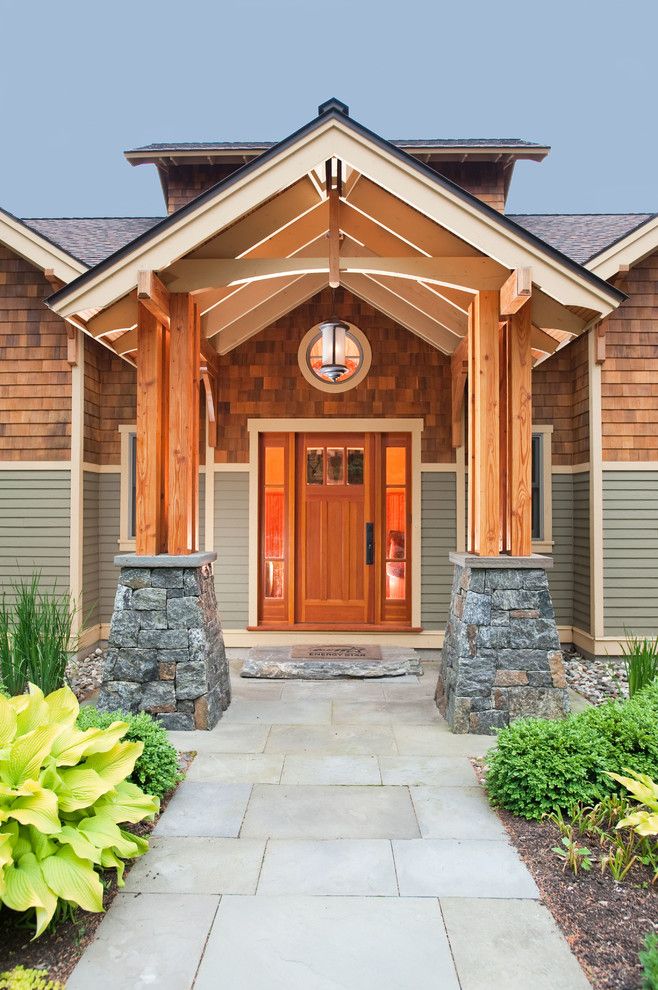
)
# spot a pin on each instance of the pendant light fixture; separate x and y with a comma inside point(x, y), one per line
point(333, 349)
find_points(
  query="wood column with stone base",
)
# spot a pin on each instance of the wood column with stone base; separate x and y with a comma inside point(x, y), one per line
point(501, 657)
point(166, 651)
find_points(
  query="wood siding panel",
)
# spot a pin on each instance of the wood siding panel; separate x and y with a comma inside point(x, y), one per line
point(438, 539)
point(232, 546)
point(581, 552)
point(110, 401)
point(262, 379)
point(560, 398)
point(90, 550)
point(35, 380)
point(561, 575)
point(629, 376)
point(630, 552)
point(35, 527)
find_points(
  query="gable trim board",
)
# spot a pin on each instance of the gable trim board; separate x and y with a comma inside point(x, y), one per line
point(328, 136)
point(627, 251)
point(38, 250)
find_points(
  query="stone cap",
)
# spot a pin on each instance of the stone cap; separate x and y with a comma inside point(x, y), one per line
point(197, 559)
point(534, 562)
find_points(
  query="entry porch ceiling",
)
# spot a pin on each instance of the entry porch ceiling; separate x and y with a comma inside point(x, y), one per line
point(276, 256)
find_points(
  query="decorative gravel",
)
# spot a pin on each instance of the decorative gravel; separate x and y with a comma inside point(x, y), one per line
point(597, 679)
point(84, 674)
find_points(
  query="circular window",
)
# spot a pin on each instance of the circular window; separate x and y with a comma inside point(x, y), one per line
point(356, 360)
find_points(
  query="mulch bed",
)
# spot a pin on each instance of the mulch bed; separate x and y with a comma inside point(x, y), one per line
point(603, 921)
point(58, 950)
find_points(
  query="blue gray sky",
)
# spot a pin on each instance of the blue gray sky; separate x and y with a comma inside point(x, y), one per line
point(82, 81)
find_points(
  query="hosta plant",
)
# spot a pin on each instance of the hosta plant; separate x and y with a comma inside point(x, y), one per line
point(645, 792)
point(63, 797)
point(20, 978)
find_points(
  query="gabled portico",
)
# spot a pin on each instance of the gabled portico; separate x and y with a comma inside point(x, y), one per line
point(334, 205)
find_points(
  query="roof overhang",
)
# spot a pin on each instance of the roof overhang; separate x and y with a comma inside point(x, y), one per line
point(627, 251)
point(37, 249)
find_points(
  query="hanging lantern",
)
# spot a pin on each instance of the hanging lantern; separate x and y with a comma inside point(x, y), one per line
point(333, 349)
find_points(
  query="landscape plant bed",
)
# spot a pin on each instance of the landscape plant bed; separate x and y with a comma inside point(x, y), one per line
point(58, 950)
point(604, 922)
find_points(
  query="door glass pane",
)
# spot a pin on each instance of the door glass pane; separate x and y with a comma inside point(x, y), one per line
point(274, 457)
point(314, 466)
point(355, 465)
point(395, 579)
point(395, 524)
point(274, 514)
point(335, 466)
point(274, 579)
point(396, 462)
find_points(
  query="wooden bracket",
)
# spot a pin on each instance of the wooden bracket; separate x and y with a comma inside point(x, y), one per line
point(71, 346)
point(516, 291)
point(600, 343)
point(459, 376)
point(208, 380)
point(153, 294)
point(50, 277)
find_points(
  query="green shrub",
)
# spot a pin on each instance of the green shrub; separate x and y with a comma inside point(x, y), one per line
point(156, 770)
point(63, 795)
point(649, 960)
point(640, 661)
point(35, 637)
point(19, 978)
point(539, 766)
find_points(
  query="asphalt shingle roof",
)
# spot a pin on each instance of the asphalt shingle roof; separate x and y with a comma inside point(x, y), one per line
point(580, 236)
point(399, 142)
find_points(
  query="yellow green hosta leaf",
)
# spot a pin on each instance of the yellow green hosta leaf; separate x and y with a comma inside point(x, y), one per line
point(641, 787)
point(110, 861)
point(79, 843)
point(138, 841)
point(26, 886)
point(645, 823)
point(128, 803)
point(8, 722)
point(117, 763)
point(39, 809)
point(73, 879)
point(74, 744)
point(62, 706)
point(101, 830)
point(27, 754)
point(41, 845)
point(6, 850)
point(80, 788)
point(31, 709)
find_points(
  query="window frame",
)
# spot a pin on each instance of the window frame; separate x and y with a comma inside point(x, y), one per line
point(127, 539)
point(544, 542)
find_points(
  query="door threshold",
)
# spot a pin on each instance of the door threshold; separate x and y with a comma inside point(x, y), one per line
point(335, 627)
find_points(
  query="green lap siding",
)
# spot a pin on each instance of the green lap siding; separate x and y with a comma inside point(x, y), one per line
point(232, 546)
point(109, 497)
point(438, 539)
point(90, 553)
point(35, 509)
point(630, 552)
point(581, 552)
point(561, 575)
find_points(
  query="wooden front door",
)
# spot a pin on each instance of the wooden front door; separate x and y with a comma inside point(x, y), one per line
point(335, 525)
point(334, 507)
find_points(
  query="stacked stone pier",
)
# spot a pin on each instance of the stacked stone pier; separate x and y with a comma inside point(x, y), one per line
point(166, 650)
point(501, 658)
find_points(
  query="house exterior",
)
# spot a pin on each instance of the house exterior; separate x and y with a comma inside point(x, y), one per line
point(333, 504)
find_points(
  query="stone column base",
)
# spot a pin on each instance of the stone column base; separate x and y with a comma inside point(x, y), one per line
point(166, 650)
point(501, 656)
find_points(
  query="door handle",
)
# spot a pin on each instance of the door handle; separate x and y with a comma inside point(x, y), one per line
point(370, 543)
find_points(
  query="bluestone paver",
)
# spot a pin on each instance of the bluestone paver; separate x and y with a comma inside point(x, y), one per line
point(195, 864)
point(300, 769)
point(205, 809)
point(461, 868)
point(237, 768)
point(455, 813)
point(444, 771)
point(352, 867)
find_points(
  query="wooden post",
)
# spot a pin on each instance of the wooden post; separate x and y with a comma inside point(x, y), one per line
point(519, 432)
point(184, 371)
point(504, 479)
point(150, 521)
point(484, 429)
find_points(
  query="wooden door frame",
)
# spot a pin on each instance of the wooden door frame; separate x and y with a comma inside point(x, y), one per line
point(414, 427)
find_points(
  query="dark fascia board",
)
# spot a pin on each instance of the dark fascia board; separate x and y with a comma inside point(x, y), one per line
point(375, 139)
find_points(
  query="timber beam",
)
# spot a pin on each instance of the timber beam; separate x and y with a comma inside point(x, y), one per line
point(154, 295)
point(516, 291)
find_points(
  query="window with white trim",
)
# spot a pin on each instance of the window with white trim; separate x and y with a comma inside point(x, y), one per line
point(128, 497)
point(541, 477)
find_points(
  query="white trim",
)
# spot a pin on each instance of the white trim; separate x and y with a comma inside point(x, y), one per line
point(582, 468)
point(209, 492)
point(629, 251)
point(231, 467)
point(35, 465)
point(101, 468)
point(77, 482)
point(335, 138)
point(597, 602)
point(34, 248)
point(329, 425)
point(630, 465)
point(546, 541)
point(440, 467)
point(460, 497)
point(126, 541)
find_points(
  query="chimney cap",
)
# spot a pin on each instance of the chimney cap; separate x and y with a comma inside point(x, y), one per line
point(333, 104)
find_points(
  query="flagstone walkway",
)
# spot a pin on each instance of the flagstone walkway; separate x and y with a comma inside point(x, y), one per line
point(330, 836)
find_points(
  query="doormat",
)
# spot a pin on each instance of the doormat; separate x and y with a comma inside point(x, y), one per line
point(319, 663)
point(335, 653)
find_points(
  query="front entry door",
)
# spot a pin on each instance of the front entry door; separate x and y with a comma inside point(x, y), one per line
point(334, 529)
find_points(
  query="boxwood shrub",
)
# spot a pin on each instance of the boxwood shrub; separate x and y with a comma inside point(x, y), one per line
point(539, 766)
point(156, 770)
